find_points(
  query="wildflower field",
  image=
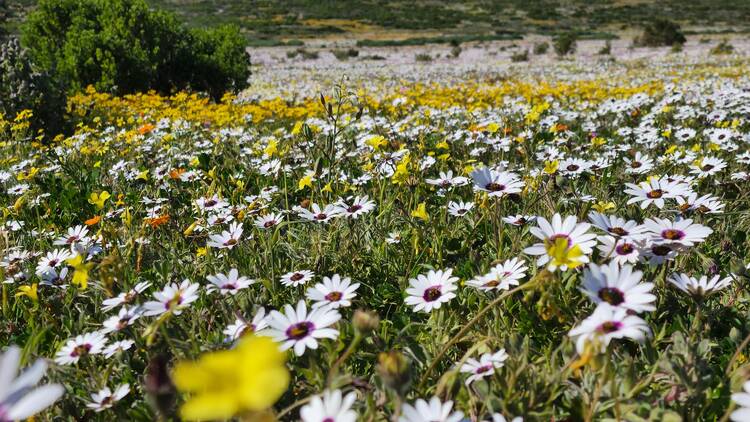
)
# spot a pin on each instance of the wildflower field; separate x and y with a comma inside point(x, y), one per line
point(424, 242)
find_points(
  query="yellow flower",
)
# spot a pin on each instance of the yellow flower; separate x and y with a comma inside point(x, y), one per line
point(421, 212)
point(603, 206)
point(272, 147)
point(550, 167)
point(305, 181)
point(376, 142)
point(562, 255)
point(249, 378)
point(81, 273)
point(99, 199)
point(28, 291)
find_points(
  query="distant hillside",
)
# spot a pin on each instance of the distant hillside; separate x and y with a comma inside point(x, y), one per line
point(274, 21)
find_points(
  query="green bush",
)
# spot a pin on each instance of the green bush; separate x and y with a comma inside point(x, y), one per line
point(423, 57)
point(521, 56)
point(123, 46)
point(541, 48)
point(660, 32)
point(24, 86)
point(565, 44)
point(724, 47)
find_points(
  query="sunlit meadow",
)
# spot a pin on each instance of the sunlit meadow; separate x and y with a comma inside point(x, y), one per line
point(422, 242)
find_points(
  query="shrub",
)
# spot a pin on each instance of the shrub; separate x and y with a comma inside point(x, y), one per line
point(423, 57)
point(724, 47)
point(606, 49)
point(565, 44)
point(307, 54)
point(23, 86)
point(521, 56)
point(123, 46)
point(456, 51)
point(345, 54)
point(660, 32)
point(541, 48)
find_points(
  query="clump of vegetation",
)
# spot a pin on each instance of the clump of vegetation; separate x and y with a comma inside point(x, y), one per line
point(606, 49)
point(123, 46)
point(305, 54)
point(520, 56)
point(541, 48)
point(565, 44)
point(660, 32)
point(345, 54)
point(423, 57)
point(456, 51)
point(23, 86)
point(722, 48)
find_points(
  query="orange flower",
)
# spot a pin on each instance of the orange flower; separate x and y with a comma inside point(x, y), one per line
point(93, 220)
point(175, 174)
point(146, 128)
point(156, 222)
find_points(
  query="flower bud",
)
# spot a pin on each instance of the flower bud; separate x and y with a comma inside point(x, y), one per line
point(393, 368)
point(365, 322)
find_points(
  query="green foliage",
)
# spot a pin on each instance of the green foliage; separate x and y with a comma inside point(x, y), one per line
point(423, 57)
point(722, 48)
point(23, 86)
point(606, 49)
point(565, 44)
point(123, 46)
point(661, 32)
point(345, 54)
point(521, 56)
point(541, 48)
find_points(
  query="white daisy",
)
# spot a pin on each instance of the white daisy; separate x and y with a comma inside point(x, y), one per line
point(228, 283)
point(485, 366)
point(296, 329)
point(82, 345)
point(297, 278)
point(432, 411)
point(699, 287)
point(618, 286)
point(105, 398)
point(430, 291)
point(607, 323)
point(330, 407)
point(20, 398)
point(173, 298)
point(334, 292)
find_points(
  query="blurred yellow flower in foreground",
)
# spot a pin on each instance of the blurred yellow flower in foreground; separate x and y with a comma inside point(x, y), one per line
point(247, 379)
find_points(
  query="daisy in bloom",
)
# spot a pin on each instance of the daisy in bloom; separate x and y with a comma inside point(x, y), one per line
point(269, 221)
point(75, 234)
point(640, 164)
point(173, 298)
point(19, 397)
point(496, 183)
point(615, 226)
point(85, 344)
point(708, 166)
point(125, 298)
point(331, 406)
point(699, 287)
point(655, 191)
point(334, 292)
point(743, 400)
point(485, 366)
point(705, 204)
point(460, 208)
point(52, 260)
point(430, 291)
point(519, 220)
point(447, 181)
point(656, 253)
point(105, 398)
point(210, 204)
point(228, 284)
point(678, 233)
point(360, 205)
point(607, 323)
point(565, 243)
point(297, 278)
point(296, 329)
point(501, 276)
point(432, 411)
point(393, 238)
point(241, 326)
point(117, 347)
point(227, 239)
point(618, 286)
point(315, 213)
point(619, 250)
point(497, 417)
point(123, 319)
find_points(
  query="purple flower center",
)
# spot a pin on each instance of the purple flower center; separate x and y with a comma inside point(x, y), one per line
point(619, 231)
point(483, 369)
point(610, 327)
point(673, 234)
point(624, 249)
point(299, 330)
point(297, 277)
point(334, 296)
point(654, 194)
point(611, 295)
point(321, 216)
point(354, 208)
point(494, 187)
point(661, 250)
point(432, 294)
